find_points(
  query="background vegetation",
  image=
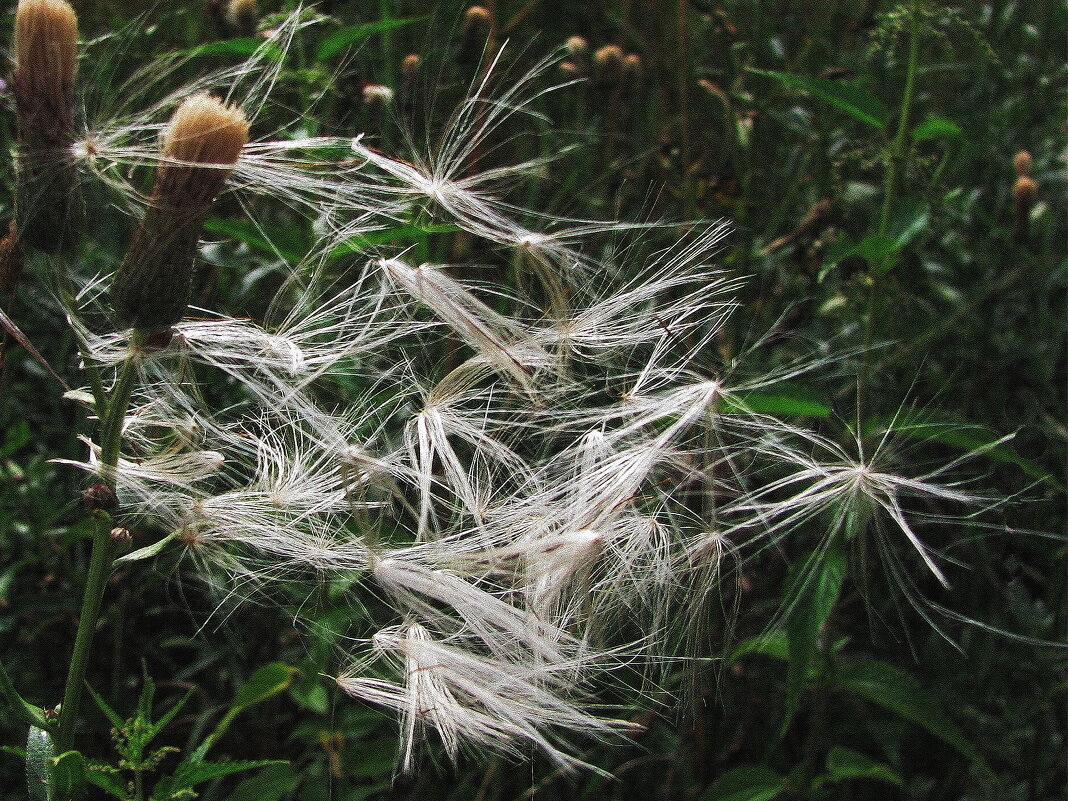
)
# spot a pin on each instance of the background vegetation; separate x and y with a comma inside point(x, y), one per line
point(864, 155)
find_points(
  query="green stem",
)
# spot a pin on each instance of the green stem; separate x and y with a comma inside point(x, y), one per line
point(895, 156)
point(897, 145)
point(103, 546)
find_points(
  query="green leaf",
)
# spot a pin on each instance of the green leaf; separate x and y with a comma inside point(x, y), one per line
point(113, 717)
point(812, 591)
point(786, 401)
point(266, 682)
point(745, 783)
point(850, 98)
point(845, 763)
point(243, 47)
point(15, 439)
point(967, 437)
point(68, 775)
point(402, 233)
point(354, 34)
point(936, 129)
point(189, 774)
point(290, 247)
point(879, 250)
point(147, 552)
point(270, 784)
point(773, 644)
point(27, 712)
point(902, 694)
point(106, 778)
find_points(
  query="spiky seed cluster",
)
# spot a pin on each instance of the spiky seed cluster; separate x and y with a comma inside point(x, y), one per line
point(200, 147)
point(45, 51)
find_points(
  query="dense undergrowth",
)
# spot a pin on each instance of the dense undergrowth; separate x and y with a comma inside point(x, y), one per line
point(838, 422)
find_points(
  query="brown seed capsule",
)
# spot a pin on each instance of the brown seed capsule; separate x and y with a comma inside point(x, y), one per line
point(410, 68)
point(99, 497)
point(1022, 162)
point(45, 54)
point(200, 147)
point(632, 69)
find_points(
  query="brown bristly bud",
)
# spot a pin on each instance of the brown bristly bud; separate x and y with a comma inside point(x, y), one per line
point(12, 258)
point(1023, 197)
point(1022, 163)
point(45, 54)
point(569, 69)
point(608, 64)
point(474, 34)
point(200, 147)
point(243, 17)
point(375, 94)
point(410, 66)
point(632, 69)
point(577, 48)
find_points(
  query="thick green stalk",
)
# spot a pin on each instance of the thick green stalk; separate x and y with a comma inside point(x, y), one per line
point(103, 547)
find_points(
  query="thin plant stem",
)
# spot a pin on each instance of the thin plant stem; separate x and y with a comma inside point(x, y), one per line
point(103, 546)
point(896, 153)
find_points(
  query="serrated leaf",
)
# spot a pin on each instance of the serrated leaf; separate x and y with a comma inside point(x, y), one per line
point(845, 763)
point(745, 783)
point(901, 693)
point(850, 98)
point(68, 775)
point(936, 129)
point(354, 34)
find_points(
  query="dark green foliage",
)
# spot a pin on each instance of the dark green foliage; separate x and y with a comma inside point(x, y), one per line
point(886, 247)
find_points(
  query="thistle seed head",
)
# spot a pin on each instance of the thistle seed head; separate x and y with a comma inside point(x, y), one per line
point(200, 147)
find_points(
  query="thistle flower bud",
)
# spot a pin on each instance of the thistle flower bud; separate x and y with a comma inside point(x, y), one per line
point(608, 64)
point(410, 68)
point(1022, 162)
point(475, 34)
point(577, 47)
point(632, 69)
point(200, 147)
point(375, 94)
point(1023, 197)
point(45, 52)
point(242, 16)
